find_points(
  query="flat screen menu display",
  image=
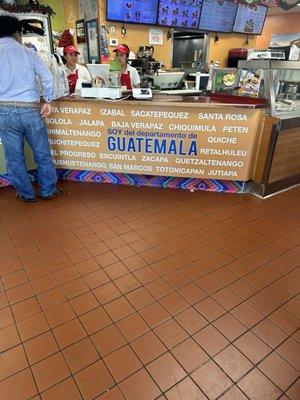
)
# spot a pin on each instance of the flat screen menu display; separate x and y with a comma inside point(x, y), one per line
point(132, 11)
point(217, 15)
point(250, 20)
point(179, 13)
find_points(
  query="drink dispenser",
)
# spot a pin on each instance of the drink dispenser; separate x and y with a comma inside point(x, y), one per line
point(235, 55)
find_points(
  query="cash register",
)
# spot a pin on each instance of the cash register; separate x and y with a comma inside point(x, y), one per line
point(104, 85)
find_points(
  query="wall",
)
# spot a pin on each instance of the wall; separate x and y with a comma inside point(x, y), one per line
point(218, 51)
point(67, 12)
point(136, 35)
point(282, 23)
point(71, 11)
point(58, 20)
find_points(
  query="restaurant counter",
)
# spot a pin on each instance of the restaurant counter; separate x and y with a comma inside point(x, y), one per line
point(191, 142)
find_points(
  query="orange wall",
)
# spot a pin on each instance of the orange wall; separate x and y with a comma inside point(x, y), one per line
point(136, 35)
point(71, 9)
point(218, 51)
point(283, 23)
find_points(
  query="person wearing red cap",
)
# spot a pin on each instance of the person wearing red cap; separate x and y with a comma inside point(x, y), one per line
point(129, 74)
point(76, 73)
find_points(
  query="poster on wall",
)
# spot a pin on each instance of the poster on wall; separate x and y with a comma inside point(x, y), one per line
point(80, 31)
point(156, 36)
point(92, 33)
point(104, 52)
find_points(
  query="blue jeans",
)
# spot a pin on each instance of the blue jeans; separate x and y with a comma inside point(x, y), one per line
point(16, 124)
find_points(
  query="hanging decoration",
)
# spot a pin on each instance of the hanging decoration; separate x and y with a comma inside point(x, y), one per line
point(31, 6)
point(279, 3)
point(285, 5)
point(66, 39)
point(104, 52)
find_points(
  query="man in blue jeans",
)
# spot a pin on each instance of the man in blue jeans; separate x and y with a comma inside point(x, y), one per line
point(21, 114)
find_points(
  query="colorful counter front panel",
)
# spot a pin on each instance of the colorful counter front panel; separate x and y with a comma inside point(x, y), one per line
point(194, 142)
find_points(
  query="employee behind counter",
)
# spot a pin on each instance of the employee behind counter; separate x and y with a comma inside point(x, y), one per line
point(129, 75)
point(76, 73)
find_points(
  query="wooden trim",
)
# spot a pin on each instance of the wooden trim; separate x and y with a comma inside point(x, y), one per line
point(269, 128)
point(270, 154)
point(254, 102)
point(286, 155)
point(290, 123)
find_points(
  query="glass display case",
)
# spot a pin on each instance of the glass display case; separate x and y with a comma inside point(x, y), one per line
point(278, 159)
point(280, 85)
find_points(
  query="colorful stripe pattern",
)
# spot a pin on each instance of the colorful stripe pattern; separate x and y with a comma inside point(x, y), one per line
point(211, 185)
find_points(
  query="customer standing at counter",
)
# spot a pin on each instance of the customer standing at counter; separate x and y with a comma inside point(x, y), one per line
point(129, 74)
point(20, 112)
point(76, 73)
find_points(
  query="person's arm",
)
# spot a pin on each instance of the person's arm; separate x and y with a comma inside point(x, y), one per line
point(86, 75)
point(46, 110)
point(135, 78)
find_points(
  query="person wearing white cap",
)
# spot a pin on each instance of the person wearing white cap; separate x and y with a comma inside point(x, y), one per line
point(76, 73)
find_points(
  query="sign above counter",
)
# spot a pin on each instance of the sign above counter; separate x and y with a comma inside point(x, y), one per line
point(223, 13)
point(250, 21)
point(133, 12)
point(202, 15)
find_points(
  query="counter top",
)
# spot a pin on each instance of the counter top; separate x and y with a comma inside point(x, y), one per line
point(166, 100)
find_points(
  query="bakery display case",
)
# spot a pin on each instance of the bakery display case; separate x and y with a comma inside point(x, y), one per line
point(278, 160)
point(280, 85)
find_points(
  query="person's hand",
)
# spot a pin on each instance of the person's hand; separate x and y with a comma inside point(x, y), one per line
point(46, 110)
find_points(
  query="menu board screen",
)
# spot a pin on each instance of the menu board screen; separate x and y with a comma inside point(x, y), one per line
point(250, 20)
point(217, 15)
point(132, 11)
point(179, 13)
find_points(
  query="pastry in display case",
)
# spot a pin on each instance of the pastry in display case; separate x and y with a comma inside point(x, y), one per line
point(280, 85)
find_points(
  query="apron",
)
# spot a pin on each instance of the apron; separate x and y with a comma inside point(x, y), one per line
point(125, 80)
point(72, 79)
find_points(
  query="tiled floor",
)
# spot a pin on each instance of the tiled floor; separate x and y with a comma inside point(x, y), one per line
point(114, 293)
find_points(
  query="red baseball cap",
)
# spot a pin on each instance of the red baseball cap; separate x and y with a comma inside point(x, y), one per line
point(71, 49)
point(122, 48)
